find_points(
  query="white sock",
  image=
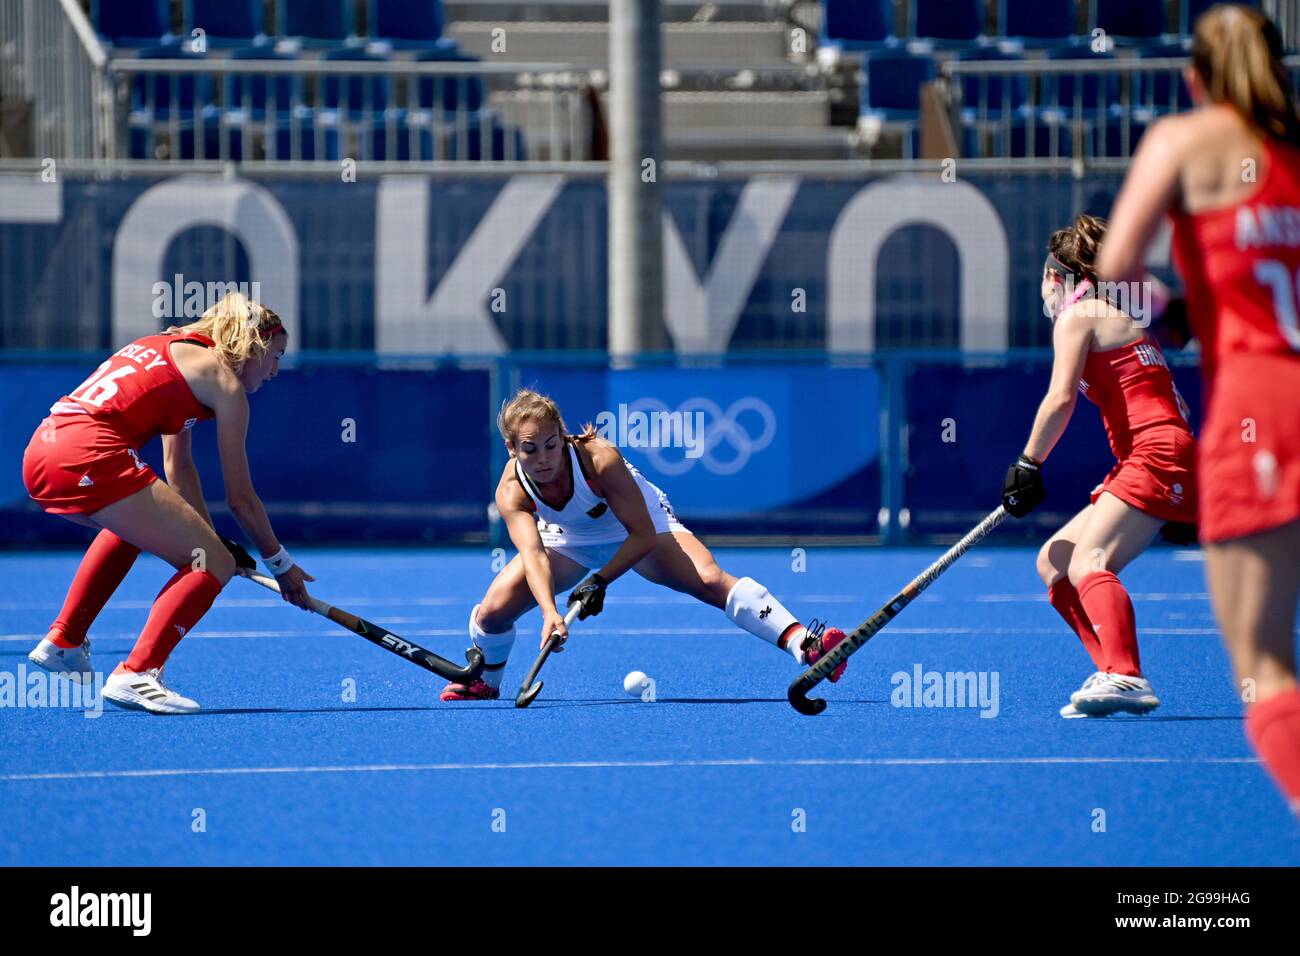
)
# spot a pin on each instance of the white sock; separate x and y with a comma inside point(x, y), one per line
point(495, 648)
point(752, 607)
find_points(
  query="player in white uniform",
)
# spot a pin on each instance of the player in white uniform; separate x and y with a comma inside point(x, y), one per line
point(573, 503)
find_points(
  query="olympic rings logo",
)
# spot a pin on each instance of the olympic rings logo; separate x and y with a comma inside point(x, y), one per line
point(722, 429)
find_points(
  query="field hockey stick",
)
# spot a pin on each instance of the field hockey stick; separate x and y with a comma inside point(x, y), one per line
point(798, 692)
point(528, 690)
point(386, 639)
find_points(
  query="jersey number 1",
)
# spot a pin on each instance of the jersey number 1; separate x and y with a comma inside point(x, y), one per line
point(1277, 277)
point(99, 388)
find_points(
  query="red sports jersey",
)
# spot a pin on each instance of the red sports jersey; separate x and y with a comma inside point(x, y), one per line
point(1241, 267)
point(1132, 387)
point(139, 392)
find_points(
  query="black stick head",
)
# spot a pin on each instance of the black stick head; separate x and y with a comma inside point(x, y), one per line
point(800, 702)
point(473, 662)
point(528, 695)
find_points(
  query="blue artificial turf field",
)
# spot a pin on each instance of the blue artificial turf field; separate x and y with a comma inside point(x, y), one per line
point(279, 769)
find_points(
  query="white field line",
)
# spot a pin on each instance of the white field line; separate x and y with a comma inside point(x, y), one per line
point(626, 764)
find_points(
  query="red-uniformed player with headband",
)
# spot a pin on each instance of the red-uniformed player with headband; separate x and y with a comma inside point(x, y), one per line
point(1101, 351)
point(572, 503)
point(1228, 174)
point(83, 464)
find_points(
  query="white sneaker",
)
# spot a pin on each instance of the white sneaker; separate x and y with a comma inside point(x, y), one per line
point(145, 692)
point(1069, 712)
point(1116, 692)
point(61, 660)
point(1093, 679)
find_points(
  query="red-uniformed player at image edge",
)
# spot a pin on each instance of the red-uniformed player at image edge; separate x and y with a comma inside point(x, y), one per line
point(1104, 353)
point(83, 464)
point(1228, 175)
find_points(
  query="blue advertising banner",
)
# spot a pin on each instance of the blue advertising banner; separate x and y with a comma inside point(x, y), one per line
point(336, 452)
point(745, 450)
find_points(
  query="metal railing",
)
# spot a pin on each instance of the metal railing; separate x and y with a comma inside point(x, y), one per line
point(51, 58)
point(1034, 109)
point(267, 110)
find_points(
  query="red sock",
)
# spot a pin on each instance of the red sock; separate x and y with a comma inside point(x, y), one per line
point(107, 561)
point(179, 605)
point(1107, 605)
point(1066, 601)
point(1273, 727)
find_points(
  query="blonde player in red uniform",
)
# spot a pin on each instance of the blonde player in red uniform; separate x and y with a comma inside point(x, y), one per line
point(1101, 352)
point(1229, 175)
point(83, 464)
point(572, 503)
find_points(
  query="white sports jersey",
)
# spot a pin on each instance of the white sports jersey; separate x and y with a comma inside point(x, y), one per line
point(586, 517)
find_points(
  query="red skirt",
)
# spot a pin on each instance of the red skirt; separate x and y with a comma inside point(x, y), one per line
point(1250, 448)
point(75, 464)
point(1158, 477)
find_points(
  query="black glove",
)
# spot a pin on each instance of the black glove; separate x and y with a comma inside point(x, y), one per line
point(590, 594)
point(1023, 490)
point(242, 558)
point(1172, 328)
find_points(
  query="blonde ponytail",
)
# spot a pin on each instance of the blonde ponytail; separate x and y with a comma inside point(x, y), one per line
point(1237, 53)
point(239, 328)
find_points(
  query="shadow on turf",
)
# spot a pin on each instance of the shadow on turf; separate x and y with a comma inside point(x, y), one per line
point(685, 700)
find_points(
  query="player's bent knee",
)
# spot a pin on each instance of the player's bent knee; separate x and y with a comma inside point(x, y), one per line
point(1081, 567)
point(493, 619)
point(221, 566)
point(1047, 570)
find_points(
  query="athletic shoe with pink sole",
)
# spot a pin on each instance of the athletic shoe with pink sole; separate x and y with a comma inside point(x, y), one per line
point(477, 689)
point(821, 640)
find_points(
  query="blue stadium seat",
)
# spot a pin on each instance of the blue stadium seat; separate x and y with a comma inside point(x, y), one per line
point(1109, 140)
point(1015, 139)
point(357, 94)
point(892, 90)
point(999, 94)
point(450, 93)
point(227, 23)
point(858, 25)
point(129, 23)
point(302, 138)
point(248, 96)
point(1096, 94)
point(1037, 24)
point(1131, 21)
point(891, 93)
point(317, 23)
point(393, 144)
point(1192, 9)
point(409, 24)
point(501, 142)
point(948, 22)
point(1155, 94)
point(162, 96)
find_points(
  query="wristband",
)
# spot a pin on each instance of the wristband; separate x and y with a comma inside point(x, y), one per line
point(279, 562)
